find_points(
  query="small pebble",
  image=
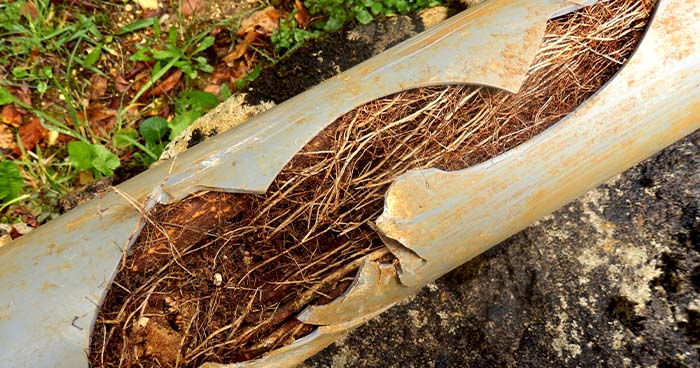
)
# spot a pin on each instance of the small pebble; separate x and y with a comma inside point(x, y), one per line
point(218, 279)
point(142, 322)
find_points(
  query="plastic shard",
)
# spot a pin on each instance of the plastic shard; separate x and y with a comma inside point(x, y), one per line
point(375, 289)
point(428, 212)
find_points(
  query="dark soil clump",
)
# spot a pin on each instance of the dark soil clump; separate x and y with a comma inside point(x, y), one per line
point(310, 65)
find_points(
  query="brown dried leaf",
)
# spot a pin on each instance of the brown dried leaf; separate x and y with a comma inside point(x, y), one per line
point(98, 112)
point(240, 49)
point(24, 94)
point(101, 119)
point(263, 21)
point(98, 86)
point(29, 220)
point(11, 116)
point(140, 80)
point(85, 177)
point(31, 134)
point(121, 84)
point(212, 88)
point(302, 15)
point(166, 85)
point(7, 139)
point(29, 10)
point(190, 7)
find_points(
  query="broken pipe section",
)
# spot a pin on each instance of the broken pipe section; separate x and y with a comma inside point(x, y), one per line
point(52, 280)
point(434, 221)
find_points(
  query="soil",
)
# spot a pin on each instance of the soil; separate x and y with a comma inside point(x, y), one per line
point(221, 276)
point(325, 57)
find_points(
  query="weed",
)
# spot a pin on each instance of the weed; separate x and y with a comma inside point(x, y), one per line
point(11, 181)
point(93, 157)
point(181, 55)
point(289, 35)
point(156, 132)
point(32, 28)
point(332, 15)
point(51, 50)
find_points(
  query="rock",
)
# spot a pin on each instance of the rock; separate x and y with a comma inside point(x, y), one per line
point(612, 279)
point(5, 236)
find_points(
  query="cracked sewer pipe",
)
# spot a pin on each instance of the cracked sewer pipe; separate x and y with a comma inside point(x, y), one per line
point(54, 279)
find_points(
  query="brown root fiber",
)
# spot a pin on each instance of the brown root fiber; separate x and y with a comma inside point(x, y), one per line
point(220, 277)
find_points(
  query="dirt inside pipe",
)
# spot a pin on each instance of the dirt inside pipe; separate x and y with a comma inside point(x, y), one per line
point(220, 277)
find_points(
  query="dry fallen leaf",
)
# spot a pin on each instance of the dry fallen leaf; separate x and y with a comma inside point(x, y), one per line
point(140, 80)
point(212, 88)
point(11, 116)
point(99, 112)
point(98, 86)
point(302, 15)
point(24, 94)
point(121, 84)
point(21, 228)
point(29, 10)
point(7, 139)
point(85, 177)
point(5, 237)
point(240, 49)
point(31, 133)
point(166, 85)
point(190, 7)
point(263, 21)
point(101, 119)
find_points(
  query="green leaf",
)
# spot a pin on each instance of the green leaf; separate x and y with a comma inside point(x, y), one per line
point(187, 69)
point(376, 8)
point(47, 72)
point(224, 92)
point(124, 137)
point(11, 181)
point(42, 87)
point(93, 56)
point(172, 36)
point(155, 149)
point(153, 129)
point(104, 161)
point(20, 73)
point(5, 96)
point(206, 43)
point(333, 24)
point(135, 26)
point(182, 121)
point(364, 17)
point(200, 99)
point(142, 54)
point(166, 54)
point(81, 154)
point(243, 82)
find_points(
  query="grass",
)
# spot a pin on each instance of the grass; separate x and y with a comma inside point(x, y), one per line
point(98, 90)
